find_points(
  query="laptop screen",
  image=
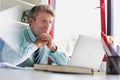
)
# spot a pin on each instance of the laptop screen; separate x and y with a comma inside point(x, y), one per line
point(88, 52)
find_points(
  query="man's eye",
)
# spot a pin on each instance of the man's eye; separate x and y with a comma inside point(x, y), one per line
point(43, 20)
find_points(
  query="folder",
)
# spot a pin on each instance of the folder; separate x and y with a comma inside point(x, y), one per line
point(63, 69)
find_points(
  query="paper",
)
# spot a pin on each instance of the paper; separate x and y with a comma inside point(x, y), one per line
point(8, 65)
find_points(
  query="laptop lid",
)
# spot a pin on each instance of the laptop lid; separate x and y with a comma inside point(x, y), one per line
point(88, 52)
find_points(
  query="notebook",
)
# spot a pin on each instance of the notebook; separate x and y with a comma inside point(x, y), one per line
point(88, 52)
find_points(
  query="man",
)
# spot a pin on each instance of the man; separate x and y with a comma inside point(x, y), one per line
point(37, 37)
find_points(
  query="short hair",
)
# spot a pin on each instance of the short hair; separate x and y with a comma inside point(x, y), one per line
point(34, 11)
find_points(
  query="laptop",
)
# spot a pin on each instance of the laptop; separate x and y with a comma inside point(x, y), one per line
point(88, 52)
point(86, 58)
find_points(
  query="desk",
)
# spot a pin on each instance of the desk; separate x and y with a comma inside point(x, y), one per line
point(15, 74)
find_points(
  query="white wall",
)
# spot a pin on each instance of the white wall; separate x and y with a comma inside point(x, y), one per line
point(5, 4)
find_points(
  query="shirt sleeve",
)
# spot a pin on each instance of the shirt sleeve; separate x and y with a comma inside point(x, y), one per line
point(59, 58)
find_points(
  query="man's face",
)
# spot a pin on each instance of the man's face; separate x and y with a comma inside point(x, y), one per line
point(42, 23)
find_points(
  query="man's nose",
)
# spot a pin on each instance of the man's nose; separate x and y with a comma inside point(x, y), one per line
point(48, 24)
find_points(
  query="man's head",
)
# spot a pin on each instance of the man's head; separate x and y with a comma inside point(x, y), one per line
point(41, 18)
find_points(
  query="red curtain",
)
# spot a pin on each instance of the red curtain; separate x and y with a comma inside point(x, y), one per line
point(103, 21)
point(52, 3)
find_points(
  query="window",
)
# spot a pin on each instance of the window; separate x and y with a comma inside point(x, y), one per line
point(74, 17)
point(116, 21)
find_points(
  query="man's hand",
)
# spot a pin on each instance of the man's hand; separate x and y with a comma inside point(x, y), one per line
point(40, 43)
point(45, 39)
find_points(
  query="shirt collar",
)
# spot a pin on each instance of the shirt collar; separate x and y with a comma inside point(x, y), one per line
point(31, 35)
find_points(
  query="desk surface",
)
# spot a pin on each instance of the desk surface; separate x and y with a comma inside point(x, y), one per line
point(15, 74)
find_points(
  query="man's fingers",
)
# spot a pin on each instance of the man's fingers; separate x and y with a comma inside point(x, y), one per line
point(44, 37)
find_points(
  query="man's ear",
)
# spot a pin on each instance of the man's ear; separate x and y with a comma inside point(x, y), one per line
point(31, 21)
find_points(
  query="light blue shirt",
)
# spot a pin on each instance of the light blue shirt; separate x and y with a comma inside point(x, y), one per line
point(23, 53)
point(1, 46)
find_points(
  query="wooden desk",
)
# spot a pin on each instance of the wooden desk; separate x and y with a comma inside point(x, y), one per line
point(15, 74)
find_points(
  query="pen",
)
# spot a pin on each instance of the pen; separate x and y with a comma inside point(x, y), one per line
point(112, 50)
point(112, 60)
point(118, 50)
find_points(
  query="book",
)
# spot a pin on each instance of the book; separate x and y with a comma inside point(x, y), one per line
point(63, 69)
